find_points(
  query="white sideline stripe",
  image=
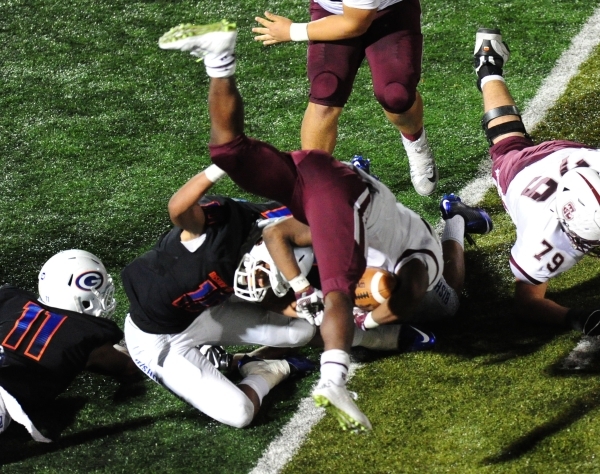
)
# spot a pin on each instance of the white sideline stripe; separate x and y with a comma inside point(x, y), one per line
point(566, 67)
point(281, 450)
point(549, 92)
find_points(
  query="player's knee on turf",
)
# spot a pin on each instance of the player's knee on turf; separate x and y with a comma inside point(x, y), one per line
point(241, 414)
point(396, 98)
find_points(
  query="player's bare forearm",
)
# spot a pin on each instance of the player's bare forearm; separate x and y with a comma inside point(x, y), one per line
point(285, 305)
point(532, 304)
point(108, 360)
point(184, 210)
point(281, 238)
point(352, 23)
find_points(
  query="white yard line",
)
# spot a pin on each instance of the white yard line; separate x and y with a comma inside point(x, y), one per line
point(281, 450)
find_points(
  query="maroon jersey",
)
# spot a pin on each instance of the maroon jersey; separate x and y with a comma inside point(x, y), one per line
point(45, 347)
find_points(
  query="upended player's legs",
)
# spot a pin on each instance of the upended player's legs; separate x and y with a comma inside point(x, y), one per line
point(261, 169)
point(226, 110)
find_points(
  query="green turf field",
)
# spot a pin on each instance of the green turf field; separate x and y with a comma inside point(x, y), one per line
point(98, 127)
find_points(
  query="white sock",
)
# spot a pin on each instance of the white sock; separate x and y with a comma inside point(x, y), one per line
point(491, 77)
point(422, 140)
point(220, 65)
point(370, 323)
point(455, 230)
point(258, 384)
point(334, 366)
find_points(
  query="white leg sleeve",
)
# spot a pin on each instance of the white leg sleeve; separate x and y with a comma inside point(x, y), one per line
point(440, 303)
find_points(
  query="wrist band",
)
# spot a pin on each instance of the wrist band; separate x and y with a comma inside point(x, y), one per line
point(299, 283)
point(299, 31)
point(370, 323)
point(213, 173)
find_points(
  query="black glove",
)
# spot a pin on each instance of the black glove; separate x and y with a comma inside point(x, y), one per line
point(585, 320)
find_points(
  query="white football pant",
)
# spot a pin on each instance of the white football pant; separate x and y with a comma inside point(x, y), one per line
point(174, 361)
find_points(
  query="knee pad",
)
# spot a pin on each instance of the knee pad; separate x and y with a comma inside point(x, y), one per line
point(396, 98)
point(508, 127)
point(325, 86)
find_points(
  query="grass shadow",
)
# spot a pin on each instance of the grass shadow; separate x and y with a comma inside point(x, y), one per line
point(18, 446)
point(528, 442)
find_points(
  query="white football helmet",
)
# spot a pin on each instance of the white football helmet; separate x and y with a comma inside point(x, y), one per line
point(258, 259)
point(578, 207)
point(76, 280)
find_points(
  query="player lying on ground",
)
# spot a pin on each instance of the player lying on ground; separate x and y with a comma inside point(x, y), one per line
point(287, 240)
point(48, 341)
point(180, 295)
point(342, 34)
point(320, 192)
point(179, 300)
point(551, 192)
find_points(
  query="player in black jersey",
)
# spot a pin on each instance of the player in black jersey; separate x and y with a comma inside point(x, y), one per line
point(45, 346)
point(180, 298)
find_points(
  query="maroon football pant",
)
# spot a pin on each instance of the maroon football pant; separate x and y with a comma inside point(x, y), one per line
point(320, 191)
point(393, 46)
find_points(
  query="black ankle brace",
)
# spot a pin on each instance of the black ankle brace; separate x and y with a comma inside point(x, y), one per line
point(488, 69)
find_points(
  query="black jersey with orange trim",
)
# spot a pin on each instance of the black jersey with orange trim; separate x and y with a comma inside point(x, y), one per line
point(169, 286)
point(45, 347)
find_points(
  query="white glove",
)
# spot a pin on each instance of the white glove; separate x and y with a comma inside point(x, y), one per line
point(310, 306)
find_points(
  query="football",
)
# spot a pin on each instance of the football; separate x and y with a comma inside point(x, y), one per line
point(375, 286)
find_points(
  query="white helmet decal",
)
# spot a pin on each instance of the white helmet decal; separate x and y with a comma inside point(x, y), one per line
point(76, 280)
point(578, 207)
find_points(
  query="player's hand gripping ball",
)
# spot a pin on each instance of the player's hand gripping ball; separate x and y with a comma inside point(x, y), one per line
point(375, 286)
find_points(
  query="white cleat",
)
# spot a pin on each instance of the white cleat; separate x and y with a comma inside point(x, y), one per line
point(340, 403)
point(489, 48)
point(214, 39)
point(423, 170)
point(273, 371)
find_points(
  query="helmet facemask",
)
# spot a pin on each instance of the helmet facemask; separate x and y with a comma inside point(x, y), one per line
point(246, 285)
